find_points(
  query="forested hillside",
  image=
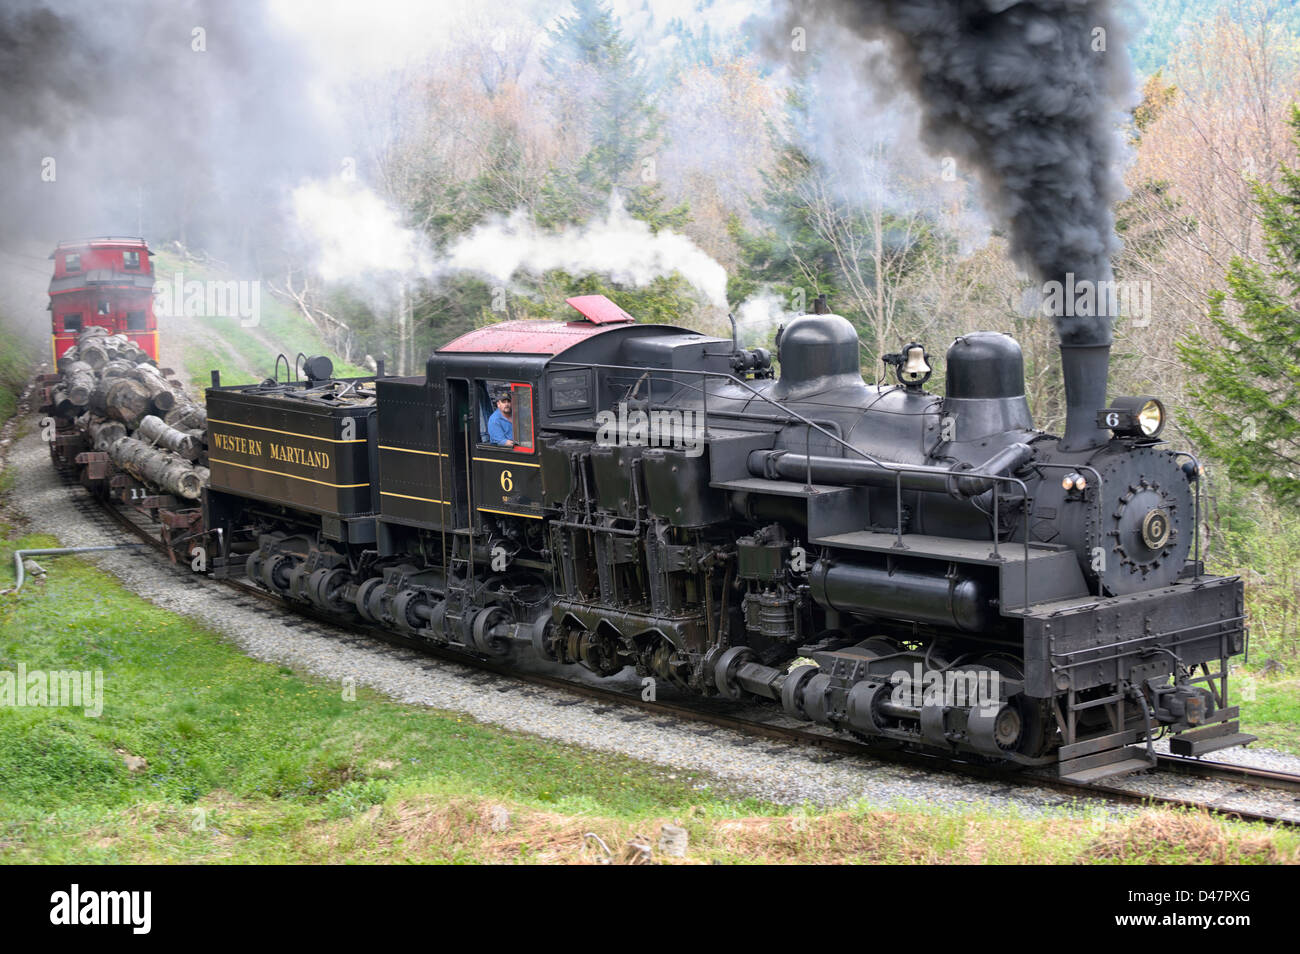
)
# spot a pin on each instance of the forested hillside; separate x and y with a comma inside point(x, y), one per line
point(1161, 26)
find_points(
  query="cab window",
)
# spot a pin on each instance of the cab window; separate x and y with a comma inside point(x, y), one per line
point(72, 262)
point(72, 322)
point(487, 392)
point(505, 415)
point(131, 259)
point(135, 321)
point(522, 399)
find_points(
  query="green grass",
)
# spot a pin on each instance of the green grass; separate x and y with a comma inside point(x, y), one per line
point(16, 361)
point(286, 330)
point(209, 719)
point(201, 361)
point(250, 762)
point(1274, 712)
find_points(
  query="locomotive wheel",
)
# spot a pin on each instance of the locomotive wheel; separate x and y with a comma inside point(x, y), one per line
point(1033, 721)
point(484, 641)
point(792, 690)
point(1001, 728)
point(277, 568)
point(363, 596)
point(542, 631)
point(598, 654)
point(325, 588)
point(724, 671)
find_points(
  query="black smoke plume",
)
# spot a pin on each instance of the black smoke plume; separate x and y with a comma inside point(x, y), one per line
point(1026, 95)
point(151, 128)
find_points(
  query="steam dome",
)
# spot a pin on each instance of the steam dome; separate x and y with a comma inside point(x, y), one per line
point(817, 353)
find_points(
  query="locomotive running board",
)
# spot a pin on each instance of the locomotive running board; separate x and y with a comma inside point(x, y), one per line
point(1118, 761)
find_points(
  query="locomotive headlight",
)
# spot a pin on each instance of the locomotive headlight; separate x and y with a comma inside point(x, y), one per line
point(1074, 481)
point(1151, 418)
point(1133, 417)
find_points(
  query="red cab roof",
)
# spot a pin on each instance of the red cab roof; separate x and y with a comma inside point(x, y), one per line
point(543, 337)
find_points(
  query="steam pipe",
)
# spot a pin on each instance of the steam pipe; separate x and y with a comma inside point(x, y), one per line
point(776, 464)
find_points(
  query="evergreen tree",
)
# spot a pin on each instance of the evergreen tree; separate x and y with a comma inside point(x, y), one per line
point(1248, 384)
point(617, 116)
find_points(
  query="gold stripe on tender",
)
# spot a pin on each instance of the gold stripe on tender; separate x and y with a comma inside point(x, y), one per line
point(511, 463)
point(310, 437)
point(389, 493)
point(510, 513)
point(280, 473)
point(409, 450)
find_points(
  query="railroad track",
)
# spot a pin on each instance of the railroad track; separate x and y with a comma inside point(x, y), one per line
point(775, 725)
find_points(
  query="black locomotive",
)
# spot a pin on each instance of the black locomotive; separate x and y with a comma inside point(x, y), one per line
point(916, 569)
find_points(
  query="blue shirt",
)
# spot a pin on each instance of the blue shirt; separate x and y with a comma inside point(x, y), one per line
point(500, 429)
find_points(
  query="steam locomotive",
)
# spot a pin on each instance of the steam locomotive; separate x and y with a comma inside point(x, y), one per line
point(920, 570)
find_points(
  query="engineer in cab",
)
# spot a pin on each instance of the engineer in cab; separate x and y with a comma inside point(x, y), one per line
point(501, 427)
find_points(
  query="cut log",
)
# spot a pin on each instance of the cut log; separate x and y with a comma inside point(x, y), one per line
point(125, 400)
point(187, 416)
point(97, 348)
point(78, 382)
point(157, 467)
point(160, 393)
point(60, 405)
point(94, 352)
point(153, 430)
point(117, 368)
point(104, 433)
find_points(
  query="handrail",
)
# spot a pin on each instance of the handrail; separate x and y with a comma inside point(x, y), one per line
point(1196, 508)
point(735, 380)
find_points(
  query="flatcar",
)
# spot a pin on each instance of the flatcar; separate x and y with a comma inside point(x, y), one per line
point(921, 570)
point(103, 282)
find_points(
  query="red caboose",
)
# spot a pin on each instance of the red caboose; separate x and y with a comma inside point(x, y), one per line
point(106, 282)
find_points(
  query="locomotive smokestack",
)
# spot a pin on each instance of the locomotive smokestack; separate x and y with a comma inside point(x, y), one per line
point(1025, 94)
point(1080, 309)
point(1084, 369)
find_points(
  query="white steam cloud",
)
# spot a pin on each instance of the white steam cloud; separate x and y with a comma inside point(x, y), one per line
point(618, 246)
point(356, 235)
point(356, 238)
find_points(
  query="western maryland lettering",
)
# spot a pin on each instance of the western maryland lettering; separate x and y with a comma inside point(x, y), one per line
point(300, 455)
point(274, 451)
point(237, 445)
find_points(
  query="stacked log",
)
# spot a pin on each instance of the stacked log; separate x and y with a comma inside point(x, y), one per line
point(153, 430)
point(188, 416)
point(117, 368)
point(157, 467)
point(104, 433)
point(124, 406)
point(98, 350)
point(161, 395)
point(125, 400)
point(79, 382)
